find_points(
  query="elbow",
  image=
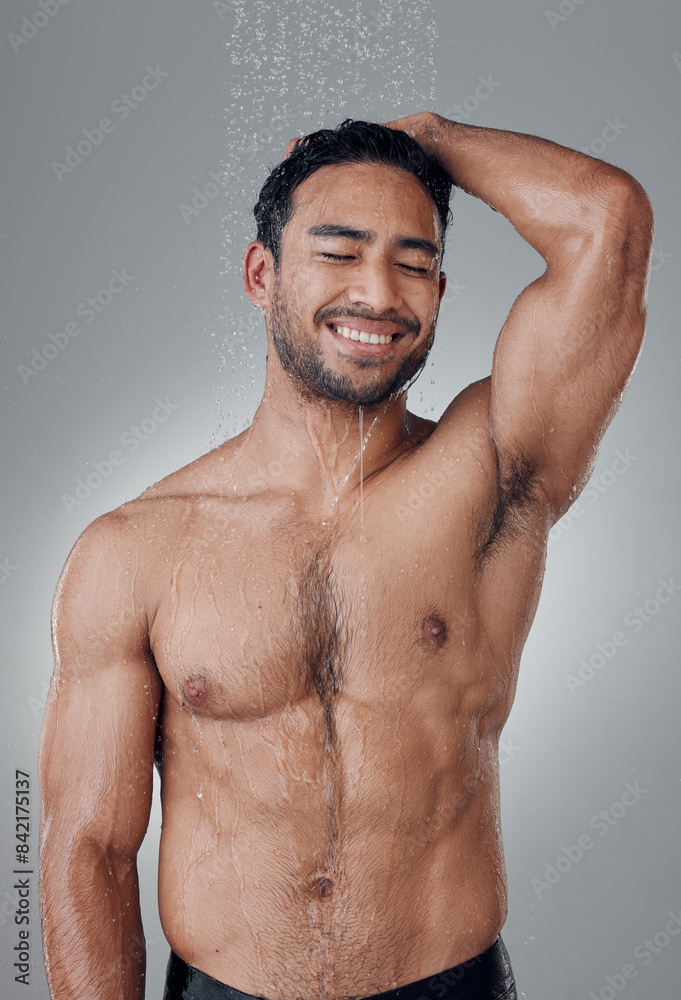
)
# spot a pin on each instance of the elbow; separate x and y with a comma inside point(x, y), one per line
point(628, 210)
point(77, 846)
point(617, 223)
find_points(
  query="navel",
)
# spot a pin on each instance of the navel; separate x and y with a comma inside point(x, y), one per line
point(433, 631)
point(322, 888)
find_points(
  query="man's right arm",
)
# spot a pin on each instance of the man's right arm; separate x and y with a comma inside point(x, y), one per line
point(96, 768)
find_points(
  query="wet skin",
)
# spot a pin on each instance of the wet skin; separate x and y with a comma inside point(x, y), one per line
point(344, 730)
point(334, 695)
point(323, 648)
point(331, 720)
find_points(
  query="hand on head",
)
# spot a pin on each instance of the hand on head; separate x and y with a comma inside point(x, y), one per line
point(423, 127)
point(291, 146)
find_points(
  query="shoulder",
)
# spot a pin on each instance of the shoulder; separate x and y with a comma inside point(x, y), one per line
point(109, 566)
point(98, 609)
point(117, 552)
point(452, 460)
point(206, 476)
point(463, 430)
point(466, 422)
point(502, 492)
point(98, 577)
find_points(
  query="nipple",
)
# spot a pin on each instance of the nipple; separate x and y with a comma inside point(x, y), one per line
point(196, 688)
point(433, 631)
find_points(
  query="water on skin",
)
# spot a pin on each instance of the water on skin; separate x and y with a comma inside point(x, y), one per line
point(364, 60)
point(362, 580)
point(369, 59)
point(323, 923)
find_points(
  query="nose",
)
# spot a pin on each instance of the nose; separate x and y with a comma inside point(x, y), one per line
point(375, 285)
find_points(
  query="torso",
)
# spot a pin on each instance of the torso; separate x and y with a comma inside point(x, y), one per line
point(333, 699)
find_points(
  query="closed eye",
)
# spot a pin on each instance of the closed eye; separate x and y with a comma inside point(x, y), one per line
point(339, 256)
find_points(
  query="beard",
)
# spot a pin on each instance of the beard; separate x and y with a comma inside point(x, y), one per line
point(304, 362)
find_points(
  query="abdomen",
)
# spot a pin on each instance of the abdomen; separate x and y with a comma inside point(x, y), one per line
point(287, 864)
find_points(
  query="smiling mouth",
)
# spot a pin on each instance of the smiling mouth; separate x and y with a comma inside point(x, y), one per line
point(349, 333)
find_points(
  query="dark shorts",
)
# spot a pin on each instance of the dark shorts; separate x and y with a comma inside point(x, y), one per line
point(488, 976)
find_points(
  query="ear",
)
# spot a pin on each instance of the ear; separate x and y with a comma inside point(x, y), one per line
point(443, 284)
point(259, 274)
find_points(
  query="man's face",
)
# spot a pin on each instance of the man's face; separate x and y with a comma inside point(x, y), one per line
point(359, 255)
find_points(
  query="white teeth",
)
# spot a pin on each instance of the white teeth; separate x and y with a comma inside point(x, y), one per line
point(362, 337)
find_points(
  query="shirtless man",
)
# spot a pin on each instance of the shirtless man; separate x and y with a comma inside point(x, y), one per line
point(321, 641)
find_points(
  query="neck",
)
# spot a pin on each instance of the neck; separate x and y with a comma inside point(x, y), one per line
point(322, 447)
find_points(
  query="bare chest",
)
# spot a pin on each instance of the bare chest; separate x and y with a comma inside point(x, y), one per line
point(259, 615)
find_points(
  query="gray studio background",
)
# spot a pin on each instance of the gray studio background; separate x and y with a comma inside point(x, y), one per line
point(243, 77)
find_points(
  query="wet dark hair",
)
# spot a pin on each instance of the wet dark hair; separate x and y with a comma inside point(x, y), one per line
point(351, 142)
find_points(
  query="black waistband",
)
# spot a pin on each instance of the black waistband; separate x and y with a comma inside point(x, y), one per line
point(488, 976)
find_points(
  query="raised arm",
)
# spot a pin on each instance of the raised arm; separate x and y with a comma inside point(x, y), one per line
point(569, 345)
point(96, 758)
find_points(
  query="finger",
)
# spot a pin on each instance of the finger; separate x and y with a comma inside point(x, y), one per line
point(402, 125)
point(291, 146)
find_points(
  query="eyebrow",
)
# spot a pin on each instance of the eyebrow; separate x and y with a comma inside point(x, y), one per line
point(329, 230)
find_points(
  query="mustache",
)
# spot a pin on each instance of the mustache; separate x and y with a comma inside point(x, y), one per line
point(411, 325)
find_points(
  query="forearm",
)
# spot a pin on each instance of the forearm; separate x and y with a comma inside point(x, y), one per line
point(553, 196)
point(92, 929)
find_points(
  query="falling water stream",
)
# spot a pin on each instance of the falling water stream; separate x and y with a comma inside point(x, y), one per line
point(361, 475)
point(362, 538)
point(291, 69)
